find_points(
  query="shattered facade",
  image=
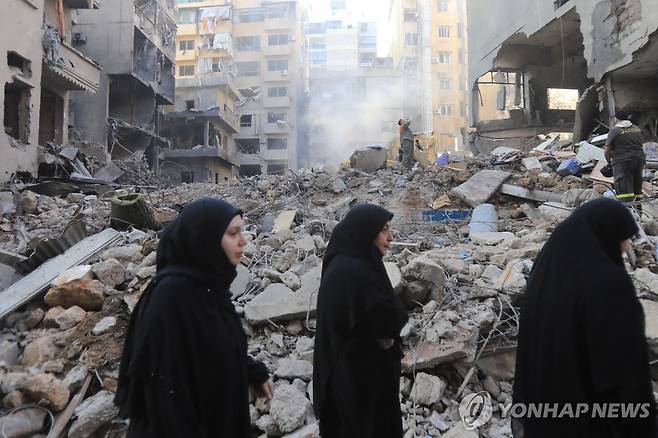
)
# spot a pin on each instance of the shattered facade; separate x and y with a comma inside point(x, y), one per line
point(39, 72)
point(523, 51)
point(134, 42)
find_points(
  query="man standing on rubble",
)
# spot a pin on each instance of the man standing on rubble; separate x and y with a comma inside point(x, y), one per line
point(406, 143)
point(624, 151)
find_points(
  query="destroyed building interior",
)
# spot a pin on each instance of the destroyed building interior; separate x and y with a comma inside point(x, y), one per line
point(119, 113)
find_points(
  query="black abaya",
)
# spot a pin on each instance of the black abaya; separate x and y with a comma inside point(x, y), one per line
point(581, 335)
point(356, 382)
point(185, 370)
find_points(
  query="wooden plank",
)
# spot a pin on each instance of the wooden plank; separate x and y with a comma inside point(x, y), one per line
point(63, 418)
point(597, 176)
point(533, 195)
point(480, 187)
point(38, 280)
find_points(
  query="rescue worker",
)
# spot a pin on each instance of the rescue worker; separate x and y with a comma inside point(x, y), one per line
point(624, 152)
point(406, 143)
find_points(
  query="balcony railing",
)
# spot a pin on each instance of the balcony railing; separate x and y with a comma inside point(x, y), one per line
point(72, 69)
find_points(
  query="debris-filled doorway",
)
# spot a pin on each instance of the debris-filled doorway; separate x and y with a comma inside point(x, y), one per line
point(51, 118)
point(17, 112)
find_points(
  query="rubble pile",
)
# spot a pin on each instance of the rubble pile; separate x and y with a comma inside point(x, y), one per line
point(460, 272)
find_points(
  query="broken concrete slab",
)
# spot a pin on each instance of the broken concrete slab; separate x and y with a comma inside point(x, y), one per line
point(239, 285)
point(284, 221)
point(427, 390)
point(289, 408)
point(532, 163)
point(93, 413)
point(424, 269)
point(37, 281)
point(556, 211)
point(76, 287)
point(499, 365)
point(279, 303)
point(461, 346)
point(530, 194)
point(490, 238)
point(459, 431)
point(294, 369)
point(480, 187)
point(395, 276)
point(646, 280)
point(23, 423)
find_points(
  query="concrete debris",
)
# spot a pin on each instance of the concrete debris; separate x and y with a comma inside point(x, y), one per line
point(460, 285)
point(23, 423)
point(369, 159)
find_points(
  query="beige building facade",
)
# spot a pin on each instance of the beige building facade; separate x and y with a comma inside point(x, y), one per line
point(246, 58)
point(40, 69)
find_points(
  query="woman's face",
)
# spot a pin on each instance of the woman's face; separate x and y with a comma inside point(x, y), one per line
point(233, 241)
point(384, 239)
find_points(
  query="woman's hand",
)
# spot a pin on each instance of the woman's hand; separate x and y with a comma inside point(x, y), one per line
point(266, 390)
point(385, 344)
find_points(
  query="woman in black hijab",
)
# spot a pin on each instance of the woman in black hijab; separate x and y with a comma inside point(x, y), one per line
point(356, 370)
point(581, 336)
point(185, 371)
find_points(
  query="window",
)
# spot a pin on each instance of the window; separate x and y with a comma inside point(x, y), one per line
point(249, 15)
point(209, 65)
point(246, 120)
point(443, 58)
point(187, 16)
point(562, 98)
point(277, 143)
point(189, 104)
point(411, 39)
point(278, 39)
point(367, 60)
point(277, 92)
point(318, 45)
point(317, 58)
point(444, 110)
point(186, 45)
point(442, 5)
point(277, 65)
point(445, 83)
point(248, 68)
point(460, 30)
point(216, 65)
point(276, 117)
point(186, 70)
point(410, 15)
point(444, 31)
point(187, 177)
point(247, 44)
point(278, 12)
point(368, 42)
point(17, 112)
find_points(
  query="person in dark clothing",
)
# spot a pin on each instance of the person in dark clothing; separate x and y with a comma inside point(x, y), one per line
point(625, 153)
point(581, 335)
point(356, 369)
point(406, 143)
point(185, 371)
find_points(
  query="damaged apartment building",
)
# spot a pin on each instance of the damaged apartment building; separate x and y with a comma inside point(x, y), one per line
point(240, 86)
point(134, 42)
point(40, 69)
point(558, 66)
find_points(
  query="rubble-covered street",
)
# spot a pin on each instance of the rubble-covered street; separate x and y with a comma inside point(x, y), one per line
point(459, 271)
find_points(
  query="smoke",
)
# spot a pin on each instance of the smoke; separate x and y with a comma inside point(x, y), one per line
point(351, 110)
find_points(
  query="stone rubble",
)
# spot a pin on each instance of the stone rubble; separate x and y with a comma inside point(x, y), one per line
point(460, 289)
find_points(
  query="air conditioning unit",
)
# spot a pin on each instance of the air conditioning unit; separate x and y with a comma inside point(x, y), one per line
point(284, 73)
point(79, 38)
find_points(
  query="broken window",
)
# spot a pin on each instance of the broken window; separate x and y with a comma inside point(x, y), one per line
point(276, 117)
point(562, 99)
point(248, 145)
point(17, 112)
point(17, 61)
point(443, 58)
point(411, 39)
point(444, 31)
point(250, 170)
point(187, 16)
point(277, 65)
point(278, 39)
point(248, 68)
point(444, 110)
point(249, 15)
point(248, 43)
point(246, 120)
point(410, 14)
point(187, 177)
point(186, 45)
point(442, 5)
point(277, 91)
point(277, 143)
point(186, 70)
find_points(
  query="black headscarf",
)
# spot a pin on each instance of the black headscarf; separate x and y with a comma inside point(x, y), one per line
point(581, 335)
point(185, 369)
point(356, 382)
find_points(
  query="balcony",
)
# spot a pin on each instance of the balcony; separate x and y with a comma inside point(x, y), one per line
point(73, 70)
point(249, 159)
point(277, 102)
point(224, 117)
point(83, 4)
point(186, 29)
point(280, 50)
point(276, 76)
point(279, 24)
point(277, 128)
point(248, 131)
point(185, 55)
point(275, 154)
